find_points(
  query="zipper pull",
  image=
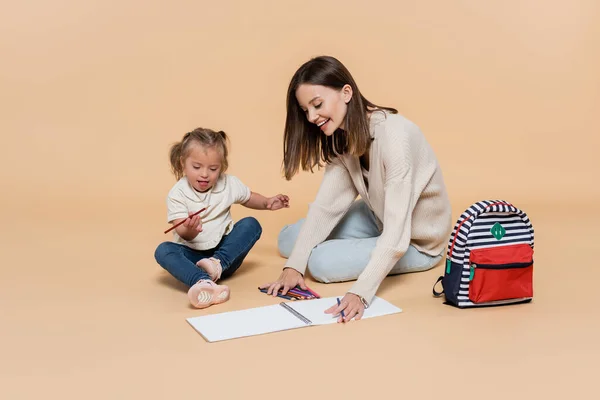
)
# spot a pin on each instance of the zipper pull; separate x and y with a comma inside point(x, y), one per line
point(473, 266)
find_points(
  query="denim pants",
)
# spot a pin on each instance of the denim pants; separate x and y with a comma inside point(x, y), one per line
point(347, 251)
point(180, 260)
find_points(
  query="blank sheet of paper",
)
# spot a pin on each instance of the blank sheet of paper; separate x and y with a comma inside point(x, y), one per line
point(249, 322)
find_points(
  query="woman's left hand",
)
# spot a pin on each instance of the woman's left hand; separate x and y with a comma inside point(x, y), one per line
point(350, 305)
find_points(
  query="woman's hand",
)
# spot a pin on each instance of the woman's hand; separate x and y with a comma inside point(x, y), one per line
point(289, 279)
point(352, 307)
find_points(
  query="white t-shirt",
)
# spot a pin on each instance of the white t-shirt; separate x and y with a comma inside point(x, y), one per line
point(216, 219)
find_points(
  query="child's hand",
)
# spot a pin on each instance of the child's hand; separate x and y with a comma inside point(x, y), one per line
point(193, 223)
point(278, 202)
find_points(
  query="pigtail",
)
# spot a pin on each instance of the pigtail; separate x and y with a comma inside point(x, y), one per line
point(175, 159)
point(222, 139)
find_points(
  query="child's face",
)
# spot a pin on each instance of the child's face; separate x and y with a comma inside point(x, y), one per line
point(324, 106)
point(202, 167)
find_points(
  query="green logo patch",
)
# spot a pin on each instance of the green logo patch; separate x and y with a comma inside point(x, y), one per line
point(498, 231)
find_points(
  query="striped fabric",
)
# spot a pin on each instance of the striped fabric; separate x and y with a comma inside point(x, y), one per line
point(473, 230)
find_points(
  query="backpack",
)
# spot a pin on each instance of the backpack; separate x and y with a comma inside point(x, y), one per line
point(489, 261)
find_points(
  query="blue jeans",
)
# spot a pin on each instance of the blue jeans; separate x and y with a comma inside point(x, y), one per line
point(180, 260)
point(347, 251)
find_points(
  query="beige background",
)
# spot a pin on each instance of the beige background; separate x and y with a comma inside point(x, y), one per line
point(93, 93)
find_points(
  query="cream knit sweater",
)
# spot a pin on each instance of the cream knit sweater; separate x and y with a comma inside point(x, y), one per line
point(406, 192)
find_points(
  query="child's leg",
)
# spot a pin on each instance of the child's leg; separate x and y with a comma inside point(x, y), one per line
point(180, 261)
point(234, 247)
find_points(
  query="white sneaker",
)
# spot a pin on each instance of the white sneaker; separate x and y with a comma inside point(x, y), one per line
point(206, 293)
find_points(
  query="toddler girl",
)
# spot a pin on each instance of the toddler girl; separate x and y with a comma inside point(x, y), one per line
point(209, 246)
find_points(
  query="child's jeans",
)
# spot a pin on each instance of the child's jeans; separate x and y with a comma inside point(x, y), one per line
point(180, 261)
point(347, 251)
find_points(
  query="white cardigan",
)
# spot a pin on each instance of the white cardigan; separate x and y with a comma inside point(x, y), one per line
point(406, 192)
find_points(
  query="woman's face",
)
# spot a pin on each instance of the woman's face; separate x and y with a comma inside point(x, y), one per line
point(324, 106)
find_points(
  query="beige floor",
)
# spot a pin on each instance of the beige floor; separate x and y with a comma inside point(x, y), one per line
point(92, 94)
point(87, 313)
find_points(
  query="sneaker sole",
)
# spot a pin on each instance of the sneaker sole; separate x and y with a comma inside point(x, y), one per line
point(206, 297)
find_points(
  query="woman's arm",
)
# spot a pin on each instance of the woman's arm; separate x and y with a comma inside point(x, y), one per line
point(407, 168)
point(334, 197)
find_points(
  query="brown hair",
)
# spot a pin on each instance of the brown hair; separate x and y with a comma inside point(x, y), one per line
point(199, 136)
point(303, 144)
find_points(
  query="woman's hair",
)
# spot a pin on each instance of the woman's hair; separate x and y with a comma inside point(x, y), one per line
point(303, 144)
point(202, 137)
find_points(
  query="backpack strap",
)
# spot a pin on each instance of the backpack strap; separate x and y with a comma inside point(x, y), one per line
point(438, 294)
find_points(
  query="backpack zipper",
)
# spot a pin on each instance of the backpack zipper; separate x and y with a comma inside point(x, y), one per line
point(494, 266)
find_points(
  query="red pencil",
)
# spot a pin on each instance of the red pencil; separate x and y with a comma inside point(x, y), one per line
point(294, 294)
point(175, 226)
point(313, 293)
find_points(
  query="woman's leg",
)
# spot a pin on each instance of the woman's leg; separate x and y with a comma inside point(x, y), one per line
point(341, 260)
point(180, 261)
point(347, 250)
point(234, 247)
point(359, 222)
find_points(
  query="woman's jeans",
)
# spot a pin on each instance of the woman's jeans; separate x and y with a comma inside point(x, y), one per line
point(347, 251)
point(180, 261)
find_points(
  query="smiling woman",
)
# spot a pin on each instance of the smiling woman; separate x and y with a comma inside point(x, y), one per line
point(402, 222)
point(319, 101)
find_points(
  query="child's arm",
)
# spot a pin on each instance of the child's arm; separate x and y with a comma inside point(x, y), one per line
point(190, 228)
point(259, 202)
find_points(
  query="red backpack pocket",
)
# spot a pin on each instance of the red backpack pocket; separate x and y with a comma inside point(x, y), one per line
point(501, 273)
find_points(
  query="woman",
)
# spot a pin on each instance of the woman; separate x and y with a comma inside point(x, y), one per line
point(402, 222)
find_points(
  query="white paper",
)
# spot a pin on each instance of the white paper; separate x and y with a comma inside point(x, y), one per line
point(249, 322)
point(274, 318)
point(314, 310)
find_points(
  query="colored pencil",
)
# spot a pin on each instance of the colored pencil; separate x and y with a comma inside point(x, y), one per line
point(292, 294)
point(338, 300)
point(280, 295)
point(300, 293)
point(304, 292)
point(193, 215)
point(313, 293)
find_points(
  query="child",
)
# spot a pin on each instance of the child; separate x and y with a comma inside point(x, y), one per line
point(209, 246)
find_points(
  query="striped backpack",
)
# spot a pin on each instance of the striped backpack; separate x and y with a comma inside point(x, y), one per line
point(489, 261)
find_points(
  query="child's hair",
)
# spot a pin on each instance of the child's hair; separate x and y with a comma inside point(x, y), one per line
point(199, 136)
point(304, 145)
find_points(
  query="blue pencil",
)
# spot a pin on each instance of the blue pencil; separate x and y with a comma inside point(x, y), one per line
point(338, 300)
